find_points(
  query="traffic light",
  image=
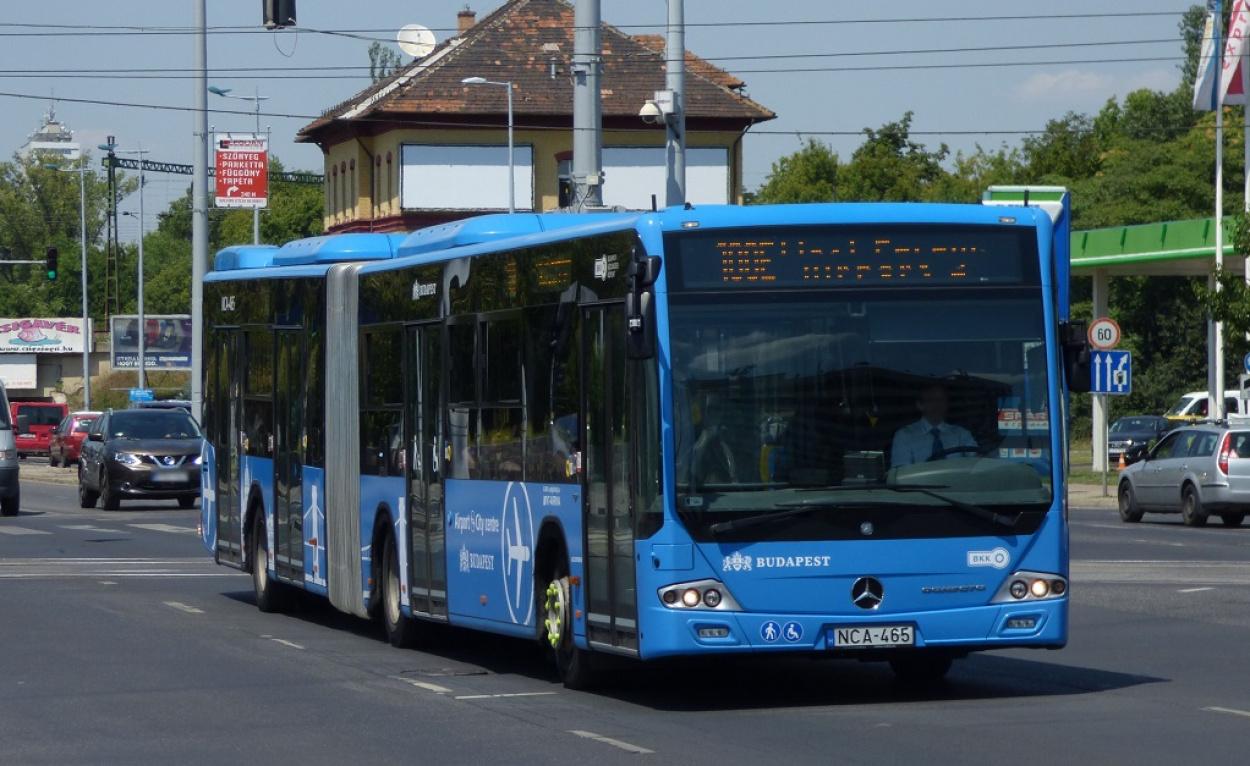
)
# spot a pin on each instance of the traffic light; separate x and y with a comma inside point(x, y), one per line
point(279, 14)
point(49, 262)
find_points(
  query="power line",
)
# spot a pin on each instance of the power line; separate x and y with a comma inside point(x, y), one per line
point(44, 72)
point(133, 30)
point(557, 128)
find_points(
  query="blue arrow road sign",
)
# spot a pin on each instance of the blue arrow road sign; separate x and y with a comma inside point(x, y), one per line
point(1112, 372)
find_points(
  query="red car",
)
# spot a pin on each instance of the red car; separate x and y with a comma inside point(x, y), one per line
point(34, 422)
point(65, 445)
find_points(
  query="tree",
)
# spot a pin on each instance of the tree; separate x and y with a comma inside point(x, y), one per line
point(890, 167)
point(383, 62)
point(808, 175)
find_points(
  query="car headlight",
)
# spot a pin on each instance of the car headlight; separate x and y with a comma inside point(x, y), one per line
point(125, 458)
point(199, 459)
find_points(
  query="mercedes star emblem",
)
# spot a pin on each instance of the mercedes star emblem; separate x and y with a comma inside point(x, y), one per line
point(867, 593)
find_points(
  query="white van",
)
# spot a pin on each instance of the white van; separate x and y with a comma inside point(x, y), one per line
point(10, 491)
point(1193, 406)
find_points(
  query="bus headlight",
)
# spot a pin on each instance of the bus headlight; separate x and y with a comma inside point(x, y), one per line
point(1031, 586)
point(701, 595)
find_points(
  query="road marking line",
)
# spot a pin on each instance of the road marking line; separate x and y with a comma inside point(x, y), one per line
point(613, 742)
point(22, 531)
point(1229, 710)
point(428, 687)
point(502, 696)
point(86, 528)
point(284, 642)
point(184, 607)
point(165, 528)
point(1194, 590)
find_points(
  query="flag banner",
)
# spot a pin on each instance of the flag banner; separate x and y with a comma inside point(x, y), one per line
point(1204, 83)
point(1232, 87)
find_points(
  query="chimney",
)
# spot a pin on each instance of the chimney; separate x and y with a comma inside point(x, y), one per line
point(465, 21)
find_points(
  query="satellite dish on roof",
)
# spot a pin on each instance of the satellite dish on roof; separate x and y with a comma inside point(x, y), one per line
point(416, 40)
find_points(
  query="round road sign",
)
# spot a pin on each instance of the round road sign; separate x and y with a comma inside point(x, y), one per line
point(1104, 334)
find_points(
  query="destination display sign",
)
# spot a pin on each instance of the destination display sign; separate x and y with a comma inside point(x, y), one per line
point(846, 256)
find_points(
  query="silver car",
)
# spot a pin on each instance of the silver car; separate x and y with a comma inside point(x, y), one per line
point(1197, 471)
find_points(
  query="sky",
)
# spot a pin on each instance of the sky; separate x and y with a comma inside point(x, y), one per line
point(972, 71)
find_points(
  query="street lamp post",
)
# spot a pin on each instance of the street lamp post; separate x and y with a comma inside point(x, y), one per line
point(256, 99)
point(511, 145)
point(82, 171)
point(142, 317)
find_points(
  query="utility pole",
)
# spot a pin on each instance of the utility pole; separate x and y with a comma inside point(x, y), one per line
point(675, 124)
point(199, 205)
point(587, 107)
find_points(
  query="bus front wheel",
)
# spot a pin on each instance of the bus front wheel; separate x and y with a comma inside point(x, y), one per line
point(921, 667)
point(574, 664)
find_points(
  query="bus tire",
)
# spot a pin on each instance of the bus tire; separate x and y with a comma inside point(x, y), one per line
point(921, 667)
point(575, 665)
point(403, 632)
point(9, 505)
point(270, 594)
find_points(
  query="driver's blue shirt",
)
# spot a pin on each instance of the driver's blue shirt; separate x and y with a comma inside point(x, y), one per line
point(913, 443)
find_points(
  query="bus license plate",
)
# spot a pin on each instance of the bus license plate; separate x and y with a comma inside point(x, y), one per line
point(871, 635)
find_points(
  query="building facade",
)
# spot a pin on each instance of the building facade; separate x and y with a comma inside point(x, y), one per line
point(422, 147)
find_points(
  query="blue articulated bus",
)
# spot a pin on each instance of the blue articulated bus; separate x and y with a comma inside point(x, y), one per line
point(692, 431)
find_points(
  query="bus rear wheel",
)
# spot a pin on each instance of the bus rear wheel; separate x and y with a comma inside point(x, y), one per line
point(574, 665)
point(403, 632)
point(271, 596)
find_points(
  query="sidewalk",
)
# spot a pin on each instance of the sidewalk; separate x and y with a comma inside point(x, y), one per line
point(1090, 495)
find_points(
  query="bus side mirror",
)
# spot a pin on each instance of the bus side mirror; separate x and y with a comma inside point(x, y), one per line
point(1077, 361)
point(640, 331)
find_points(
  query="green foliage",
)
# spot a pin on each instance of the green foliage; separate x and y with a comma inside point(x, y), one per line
point(808, 175)
point(890, 167)
point(383, 62)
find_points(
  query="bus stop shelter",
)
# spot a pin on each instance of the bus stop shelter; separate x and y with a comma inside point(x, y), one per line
point(1174, 249)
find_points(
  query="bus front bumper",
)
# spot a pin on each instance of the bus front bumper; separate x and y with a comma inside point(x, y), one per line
point(1036, 624)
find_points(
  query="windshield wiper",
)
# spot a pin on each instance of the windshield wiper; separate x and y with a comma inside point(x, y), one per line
point(803, 507)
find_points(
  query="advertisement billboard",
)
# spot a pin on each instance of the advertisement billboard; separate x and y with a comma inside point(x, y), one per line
point(41, 335)
point(167, 344)
point(242, 170)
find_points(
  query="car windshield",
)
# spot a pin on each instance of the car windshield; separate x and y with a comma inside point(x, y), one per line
point(153, 424)
point(40, 416)
point(1184, 404)
point(83, 425)
point(821, 406)
point(1124, 425)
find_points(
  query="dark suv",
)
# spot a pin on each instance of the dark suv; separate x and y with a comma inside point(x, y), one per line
point(140, 455)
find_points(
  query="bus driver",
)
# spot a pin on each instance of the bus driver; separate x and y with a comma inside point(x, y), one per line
point(931, 437)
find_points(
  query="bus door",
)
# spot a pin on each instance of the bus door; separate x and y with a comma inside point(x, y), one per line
point(612, 613)
point(227, 396)
point(289, 401)
point(423, 426)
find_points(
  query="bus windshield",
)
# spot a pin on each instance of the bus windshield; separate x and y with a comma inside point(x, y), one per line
point(812, 414)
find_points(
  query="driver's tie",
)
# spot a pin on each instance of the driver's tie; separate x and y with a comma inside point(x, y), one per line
point(937, 443)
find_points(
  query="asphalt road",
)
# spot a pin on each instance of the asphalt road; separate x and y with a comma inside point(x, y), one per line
point(121, 642)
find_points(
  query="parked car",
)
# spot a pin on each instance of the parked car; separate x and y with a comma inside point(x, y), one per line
point(10, 488)
point(1197, 471)
point(66, 442)
point(1134, 431)
point(162, 404)
point(1192, 406)
point(140, 455)
point(34, 422)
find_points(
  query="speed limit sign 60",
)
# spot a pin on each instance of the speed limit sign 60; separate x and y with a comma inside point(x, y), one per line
point(1104, 334)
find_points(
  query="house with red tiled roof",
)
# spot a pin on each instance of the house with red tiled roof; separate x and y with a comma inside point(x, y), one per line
point(422, 147)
